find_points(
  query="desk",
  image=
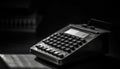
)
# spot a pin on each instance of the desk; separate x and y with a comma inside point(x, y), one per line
point(20, 44)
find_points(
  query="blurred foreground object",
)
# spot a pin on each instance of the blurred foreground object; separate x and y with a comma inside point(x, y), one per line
point(22, 61)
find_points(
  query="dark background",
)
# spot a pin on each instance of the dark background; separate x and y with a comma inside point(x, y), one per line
point(55, 15)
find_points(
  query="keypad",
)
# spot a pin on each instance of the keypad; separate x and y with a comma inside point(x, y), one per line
point(65, 42)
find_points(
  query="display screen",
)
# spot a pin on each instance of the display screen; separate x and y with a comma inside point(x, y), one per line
point(77, 33)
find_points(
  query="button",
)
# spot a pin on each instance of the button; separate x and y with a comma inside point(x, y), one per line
point(41, 48)
point(66, 41)
point(56, 53)
point(51, 51)
point(74, 44)
point(62, 43)
point(44, 40)
point(62, 40)
point(70, 39)
point(58, 42)
point(50, 43)
point(55, 37)
point(74, 40)
point(54, 44)
point(65, 37)
point(51, 39)
point(72, 47)
point(38, 44)
point(58, 46)
point(70, 42)
point(66, 45)
point(62, 36)
point(68, 50)
point(54, 40)
point(60, 55)
point(62, 47)
point(58, 38)
point(48, 49)
point(55, 34)
point(78, 41)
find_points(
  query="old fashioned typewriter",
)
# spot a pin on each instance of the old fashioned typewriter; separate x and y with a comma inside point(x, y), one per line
point(71, 43)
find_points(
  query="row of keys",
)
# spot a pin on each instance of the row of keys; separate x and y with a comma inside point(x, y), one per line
point(64, 36)
point(50, 51)
point(51, 41)
point(61, 41)
point(59, 46)
point(68, 48)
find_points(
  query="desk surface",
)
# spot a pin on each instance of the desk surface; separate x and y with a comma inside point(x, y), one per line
point(20, 44)
point(29, 61)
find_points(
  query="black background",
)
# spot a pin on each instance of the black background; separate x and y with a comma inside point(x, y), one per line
point(55, 15)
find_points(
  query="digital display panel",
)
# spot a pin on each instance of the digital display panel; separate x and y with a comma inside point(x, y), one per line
point(76, 33)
